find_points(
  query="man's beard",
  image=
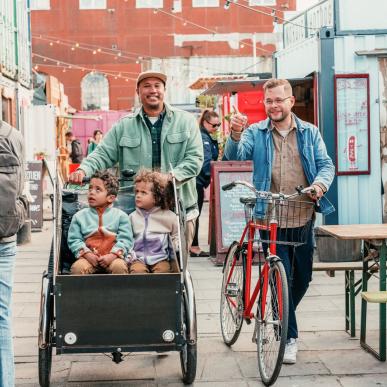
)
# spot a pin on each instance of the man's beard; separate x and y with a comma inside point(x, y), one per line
point(283, 117)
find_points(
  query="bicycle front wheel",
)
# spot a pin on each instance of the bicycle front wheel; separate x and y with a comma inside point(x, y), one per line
point(272, 323)
point(231, 299)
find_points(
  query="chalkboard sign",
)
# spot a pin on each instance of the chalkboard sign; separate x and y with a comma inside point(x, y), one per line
point(34, 175)
point(227, 216)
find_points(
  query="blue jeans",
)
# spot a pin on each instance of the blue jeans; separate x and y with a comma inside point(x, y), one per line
point(7, 259)
point(298, 264)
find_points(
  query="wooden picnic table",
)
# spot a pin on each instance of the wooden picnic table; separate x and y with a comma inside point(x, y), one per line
point(377, 235)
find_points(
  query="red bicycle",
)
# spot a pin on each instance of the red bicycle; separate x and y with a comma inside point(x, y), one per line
point(284, 219)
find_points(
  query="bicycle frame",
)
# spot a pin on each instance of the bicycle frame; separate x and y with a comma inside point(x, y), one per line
point(250, 229)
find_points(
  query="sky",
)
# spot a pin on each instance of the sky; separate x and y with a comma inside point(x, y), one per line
point(303, 4)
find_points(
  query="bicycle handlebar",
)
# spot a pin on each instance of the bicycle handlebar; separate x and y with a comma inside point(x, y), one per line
point(266, 194)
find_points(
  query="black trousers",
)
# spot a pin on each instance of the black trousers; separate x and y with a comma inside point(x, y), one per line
point(200, 191)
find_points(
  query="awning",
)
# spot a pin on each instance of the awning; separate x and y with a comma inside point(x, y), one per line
point(243, 85)
point(206, 82)
point(376, 52)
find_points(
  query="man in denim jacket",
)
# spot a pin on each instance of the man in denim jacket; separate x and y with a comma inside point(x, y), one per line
point(286, 152)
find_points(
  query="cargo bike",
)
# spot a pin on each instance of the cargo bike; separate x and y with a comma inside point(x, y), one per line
point(114, 314)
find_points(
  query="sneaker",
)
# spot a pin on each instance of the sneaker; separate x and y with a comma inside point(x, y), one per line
point(290, 355)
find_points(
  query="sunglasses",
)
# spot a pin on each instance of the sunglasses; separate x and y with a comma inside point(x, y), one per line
point(213, 125)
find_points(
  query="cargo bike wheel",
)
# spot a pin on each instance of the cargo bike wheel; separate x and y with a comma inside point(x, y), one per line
point(188, 353)
point(46, 324)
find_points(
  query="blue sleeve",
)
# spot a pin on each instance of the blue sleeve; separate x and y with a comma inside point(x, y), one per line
point(240, 150)
point(206, 169)
point(324, 164)
point(124, 235)
point(75, 238)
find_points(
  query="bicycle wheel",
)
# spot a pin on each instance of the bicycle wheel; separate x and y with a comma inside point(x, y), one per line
point(188, 353)
point(272, 326)
point(231, 299)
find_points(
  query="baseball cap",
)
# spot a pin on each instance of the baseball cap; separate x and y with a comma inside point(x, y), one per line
point(151, 74)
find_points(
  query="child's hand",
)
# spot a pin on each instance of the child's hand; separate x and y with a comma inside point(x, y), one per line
point(106, 260)
point(92, 258)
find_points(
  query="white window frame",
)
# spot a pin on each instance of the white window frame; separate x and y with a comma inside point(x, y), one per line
point(100, 92)
point(258, 3)
point(92, 4)
point(149, 3)
point(40, 5)
point(205, 3)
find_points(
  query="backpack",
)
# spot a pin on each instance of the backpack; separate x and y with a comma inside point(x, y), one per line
point(76, 152)
point(12, 205)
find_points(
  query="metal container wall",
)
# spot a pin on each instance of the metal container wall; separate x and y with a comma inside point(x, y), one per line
point(83, 128)
point(23, 43)
point(8, 66)
point(290, 61)
point(15, 41)
point(360, 196)
point(182, 72)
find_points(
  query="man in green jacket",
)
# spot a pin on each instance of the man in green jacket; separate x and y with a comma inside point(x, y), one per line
point(156, 136)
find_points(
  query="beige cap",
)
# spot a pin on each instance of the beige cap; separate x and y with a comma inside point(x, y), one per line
point(151, 74)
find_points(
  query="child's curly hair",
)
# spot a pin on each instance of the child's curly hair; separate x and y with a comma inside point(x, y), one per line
point(162, 187)
point(110, 181)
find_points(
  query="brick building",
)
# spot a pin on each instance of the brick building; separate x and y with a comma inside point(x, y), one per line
point(186, 39)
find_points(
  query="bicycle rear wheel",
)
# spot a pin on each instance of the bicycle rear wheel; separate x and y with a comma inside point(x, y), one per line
point(231, 300)
point(272, 324)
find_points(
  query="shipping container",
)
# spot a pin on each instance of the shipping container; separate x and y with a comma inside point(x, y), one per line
point(182, 72)
point(23, 43)
point(8, 64)
point(15, 41)
point(345, 46)
point(84, 123)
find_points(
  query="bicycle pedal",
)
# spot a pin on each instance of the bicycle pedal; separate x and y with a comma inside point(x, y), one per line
point(232, 289)
point(248, 321)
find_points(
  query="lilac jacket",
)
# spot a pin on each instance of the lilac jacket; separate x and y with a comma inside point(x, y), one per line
point(153, 231)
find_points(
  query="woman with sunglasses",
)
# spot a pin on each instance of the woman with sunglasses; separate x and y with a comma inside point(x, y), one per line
point(209, 124)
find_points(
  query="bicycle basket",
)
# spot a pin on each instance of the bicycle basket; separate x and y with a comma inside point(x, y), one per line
point(294, 218)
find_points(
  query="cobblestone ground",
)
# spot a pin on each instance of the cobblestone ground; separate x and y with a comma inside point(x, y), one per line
point(327, 355)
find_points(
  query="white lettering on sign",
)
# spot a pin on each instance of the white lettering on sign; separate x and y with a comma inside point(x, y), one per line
point(33, 175)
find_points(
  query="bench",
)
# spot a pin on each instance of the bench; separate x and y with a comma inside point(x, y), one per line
point(352, 288)
point(376, 297)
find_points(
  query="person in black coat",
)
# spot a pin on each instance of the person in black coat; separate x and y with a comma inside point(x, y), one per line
point(209, 123)
point(76, 152)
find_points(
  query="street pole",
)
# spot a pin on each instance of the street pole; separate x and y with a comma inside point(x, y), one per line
point(254, 53)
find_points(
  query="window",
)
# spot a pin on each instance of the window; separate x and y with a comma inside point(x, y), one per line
point(261, 2)
point(6, 110)
point(95, 92)
point(92, 4)
point(176, 6)
point(149, 3)
point(205, 3)
point(39, 4)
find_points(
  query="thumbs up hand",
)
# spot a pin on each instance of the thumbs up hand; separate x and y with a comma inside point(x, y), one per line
point(238, 120)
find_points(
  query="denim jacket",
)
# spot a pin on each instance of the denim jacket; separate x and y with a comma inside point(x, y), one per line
point(256, 144)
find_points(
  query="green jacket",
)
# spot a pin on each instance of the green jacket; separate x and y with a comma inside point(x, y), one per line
point(129, 144)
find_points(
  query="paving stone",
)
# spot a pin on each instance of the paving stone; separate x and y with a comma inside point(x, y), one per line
point(327, 355)
point(308, 363)
point(351, 362)
point(364, 381)
point(133, 368)
point(220, 366)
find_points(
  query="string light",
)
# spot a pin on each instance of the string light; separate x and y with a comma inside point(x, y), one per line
point(207, 29)
point(70, 66)
point(138, 57)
